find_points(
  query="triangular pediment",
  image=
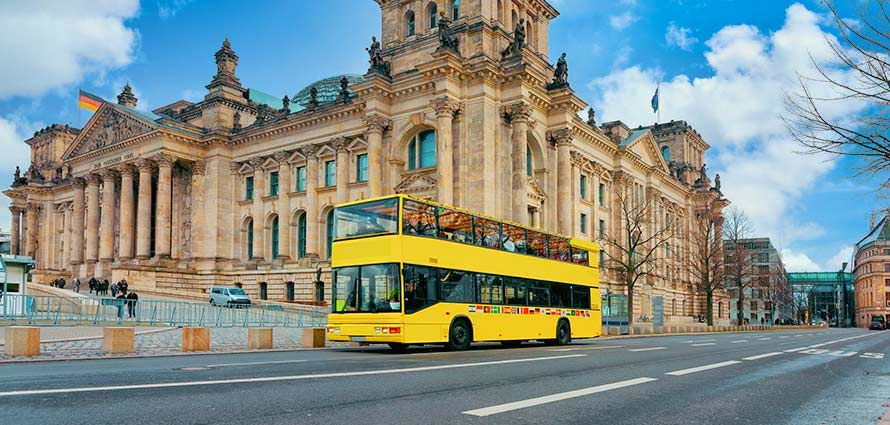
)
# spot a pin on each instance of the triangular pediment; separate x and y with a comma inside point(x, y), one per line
point(416, 183)
point(109, 126)
point(646, 147)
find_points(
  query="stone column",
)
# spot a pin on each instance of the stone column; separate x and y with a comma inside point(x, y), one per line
point(283, 205)
point(259, 191)
point(376, 126)
point(199, 221)
point(445, 109)
point(93, 218)
point(14, 232)
point(519, 114)
point(342, 169)
point(128, 213)
point(77, 226)
point(163, 219)
point(106, 237)
point(67, 236)
point(311, 203)
point(30, 235)
point(563, 139)
point(143, 214)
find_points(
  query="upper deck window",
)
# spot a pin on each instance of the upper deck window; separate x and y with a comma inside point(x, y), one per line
point(369, 218)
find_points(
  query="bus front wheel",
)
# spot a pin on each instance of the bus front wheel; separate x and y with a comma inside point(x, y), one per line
point(563, 333)
point(459, 336)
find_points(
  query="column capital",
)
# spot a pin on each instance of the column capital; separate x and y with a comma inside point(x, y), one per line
point(517, 112)
point(339, 144)
point(561, 136)
point(93, 179)
point(164, 160)
point(255, 163)
point(235, 167)
point(308, 151)
point(126, 169)
point(445, 106)
point(281, 157)
point(376, 123)
point(79, 182)
point(145, 165)
point(199, 168)
point(14, 209)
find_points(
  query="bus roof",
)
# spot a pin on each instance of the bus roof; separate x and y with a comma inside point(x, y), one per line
point(575, 242)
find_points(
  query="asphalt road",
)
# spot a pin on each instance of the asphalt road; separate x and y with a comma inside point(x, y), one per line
point(834, 376)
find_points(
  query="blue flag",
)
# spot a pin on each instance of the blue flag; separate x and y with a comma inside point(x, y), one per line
point(655, 101)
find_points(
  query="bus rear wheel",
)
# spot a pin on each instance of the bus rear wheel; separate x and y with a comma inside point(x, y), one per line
point(563, 333)
point(459, 336)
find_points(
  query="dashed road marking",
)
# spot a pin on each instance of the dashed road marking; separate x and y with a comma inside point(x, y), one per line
point(763, 339)
point(783, 337)
point(702, 368)
point(648, 349)
point(841, 353)
point(762, 356)
point(738, 341)
point(595, 347)
point(872, 355)
point(255, 363)
point(792, 350)
point(703, 344)
point(522, 404)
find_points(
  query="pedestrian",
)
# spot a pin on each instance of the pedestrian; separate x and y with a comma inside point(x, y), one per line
point(114, 289)
point(132, 299)
point(123, 286)
point(120, 300)
point(92, 283)
point(75, 284)
point(61, 283)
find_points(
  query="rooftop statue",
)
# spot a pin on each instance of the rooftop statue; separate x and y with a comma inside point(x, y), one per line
point(518, 42)
point(375, 58)
point(446, 41)
point(560, 74)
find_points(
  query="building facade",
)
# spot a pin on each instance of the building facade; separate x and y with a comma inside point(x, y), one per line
point(460, 104)
point(767, 294)
point(871, 273)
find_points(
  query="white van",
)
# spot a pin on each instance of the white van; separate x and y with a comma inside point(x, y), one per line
point(228, 296)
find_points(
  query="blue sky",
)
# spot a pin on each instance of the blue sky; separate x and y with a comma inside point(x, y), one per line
point(723, 66)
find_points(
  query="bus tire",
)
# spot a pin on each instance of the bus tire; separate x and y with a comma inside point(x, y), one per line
point(563, 332)
point(460, 335)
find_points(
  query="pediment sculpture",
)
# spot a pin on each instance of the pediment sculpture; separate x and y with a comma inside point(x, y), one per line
point(109, 129)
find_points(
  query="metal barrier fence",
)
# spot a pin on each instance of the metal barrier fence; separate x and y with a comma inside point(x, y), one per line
point(16, 309)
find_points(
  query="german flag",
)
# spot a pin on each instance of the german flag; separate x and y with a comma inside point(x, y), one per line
point(89, 101)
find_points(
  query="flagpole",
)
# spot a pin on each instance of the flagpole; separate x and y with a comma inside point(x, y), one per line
point(79, 124)
point(658, 111)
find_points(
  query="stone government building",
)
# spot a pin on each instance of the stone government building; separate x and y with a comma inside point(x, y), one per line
point(460, 105)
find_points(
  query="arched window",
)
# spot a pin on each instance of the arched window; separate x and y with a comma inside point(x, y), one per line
point(301, 236)
point(514, 19)
point(528, 161)
point(666, 153)
point(501, 16)
point(409, 23)
point(249, 239)
point(330, 231)
point(433, 13)
point(422, 150)
point(275, 237)
point(455, 9)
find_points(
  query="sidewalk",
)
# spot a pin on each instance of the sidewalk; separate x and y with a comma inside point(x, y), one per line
point(149, 342)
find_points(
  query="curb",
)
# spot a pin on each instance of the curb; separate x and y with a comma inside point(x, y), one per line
point(170, 354)
point(700, 333)
point(87, 338)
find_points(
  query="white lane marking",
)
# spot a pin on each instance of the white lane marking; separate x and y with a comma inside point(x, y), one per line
point(255, 363)
point(783, 337)
point(738, 341)
point(872, 355)
point(597, 347)
point(762, 356)
point(799, 335)
point(648, 349)
point(522, 404)
point(702, 368)
point(700, 340)
point(842, 340)
point(814, 351)
point(285, 378)
point(702, 345)
point(841, 353)
point(763, 339)
point(792, 350)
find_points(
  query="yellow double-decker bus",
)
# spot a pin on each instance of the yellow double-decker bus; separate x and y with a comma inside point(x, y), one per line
point(410, 271)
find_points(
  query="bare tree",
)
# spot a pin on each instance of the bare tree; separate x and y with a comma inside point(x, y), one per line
point(736, 229)
point(704, 259)
point(860, 73)
point(632, 250)
point(777, 291)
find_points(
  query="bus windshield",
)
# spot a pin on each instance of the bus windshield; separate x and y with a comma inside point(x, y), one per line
point(367, 289)
point(369, 218)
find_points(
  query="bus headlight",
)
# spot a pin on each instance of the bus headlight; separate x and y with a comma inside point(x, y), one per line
point(334, 330)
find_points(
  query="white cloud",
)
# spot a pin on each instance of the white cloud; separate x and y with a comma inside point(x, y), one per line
point(736, 108)
point(798, 262)
point(169, 8)
point(13, 132)
point(843, 255)
point(622, 21)
point(49, 44)
point(679, 37)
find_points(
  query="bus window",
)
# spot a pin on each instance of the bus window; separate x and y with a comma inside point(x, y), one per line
point(372, 288)
point(537, 244)
point(370, 218)
point(419, 219)
point(488, 233)
point(455, 226)
point(346, 290)
point(420, 288)
point(580, 256)
point(491, 289)
point(513, 238)
point(539, 294)
point(580, 297)
point(559, 248)
point(560, 295)
point(515, 291)
point(456, 286)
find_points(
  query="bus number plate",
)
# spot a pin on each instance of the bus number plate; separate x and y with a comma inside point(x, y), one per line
point(357, 339)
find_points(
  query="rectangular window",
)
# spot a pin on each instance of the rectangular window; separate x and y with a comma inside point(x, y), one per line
point(369, 218)
point(490, 289)
point(539, 294)
point(602, 195)
point(580, 297)
point(487, 233)
point(248, 188)
point(456, 286)
point(427, 149)
point(361, 168)
point(420, 287)
point(602, 229)
point(887, 267)
point(273, 183)
point(602, 258)
point(301, 179)
point(583, 223)
point(513, 238)
point(560, 295)
point(515, 291)
point(370, 288)
point(583, 187)
point(418, 219)
point(537, 244)
point(330, 173)
point(455, 226)
point(559, 249)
